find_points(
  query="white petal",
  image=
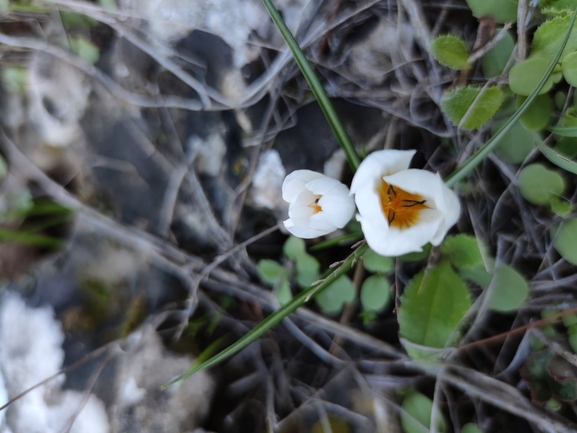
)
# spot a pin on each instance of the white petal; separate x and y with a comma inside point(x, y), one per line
point(323, 185)
point(452, 213)
point(368, 203)
point(338, 205)
point(420, 182)
point(321, 221)
point(379, 164)
point(295, 182)
point(391, 241)
point(303, 232)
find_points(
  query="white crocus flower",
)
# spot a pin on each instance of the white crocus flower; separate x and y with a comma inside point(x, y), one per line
point(318, 204)
point(401, 209)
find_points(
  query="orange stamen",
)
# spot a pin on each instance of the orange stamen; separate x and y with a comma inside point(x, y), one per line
point(401, 208)
point(316, 207)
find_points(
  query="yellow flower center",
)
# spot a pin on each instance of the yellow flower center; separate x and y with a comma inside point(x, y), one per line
point(316, 207)
point(401, 208)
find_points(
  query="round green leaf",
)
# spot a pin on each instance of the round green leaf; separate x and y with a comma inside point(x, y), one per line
point(416, 417)
point(85, 49)
point(307, 270)
point(569, 68)
point(283, 291)
point(334, 297)
point(539, 185)
point(451, 51)
point(495, 60)
point(462, 250)
point(516, 144)
point(270, 271)
point(560, 206)
point(508, 289)
point(560, 98)
point(537, 115)
point(294, 248)
point(375, 293)
point(503, 11)
point(566, 241)
point(478, 107)
point(374, 262)
point(432, 305)
point(525, 76)
point(471, 428)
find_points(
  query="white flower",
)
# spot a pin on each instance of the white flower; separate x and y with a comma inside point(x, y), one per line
point(317, 204)
point(402, 209)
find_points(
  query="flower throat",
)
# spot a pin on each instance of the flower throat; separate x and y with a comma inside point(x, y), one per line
point(401, 208)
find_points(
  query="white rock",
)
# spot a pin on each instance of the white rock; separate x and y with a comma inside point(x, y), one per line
point(208, 153)
point(30, 352)
point(267, 181)
point(58, 95)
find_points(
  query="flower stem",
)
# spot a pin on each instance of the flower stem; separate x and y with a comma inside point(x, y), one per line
point(276, 317)
point(482, 153)
point(316, 87)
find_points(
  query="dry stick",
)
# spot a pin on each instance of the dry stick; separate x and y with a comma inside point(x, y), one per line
point(499, 337)
point(482, 51)
point(505, 397)
point(522, 30)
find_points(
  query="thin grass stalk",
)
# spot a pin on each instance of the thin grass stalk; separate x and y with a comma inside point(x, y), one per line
point(316, 87)
point(276, 317)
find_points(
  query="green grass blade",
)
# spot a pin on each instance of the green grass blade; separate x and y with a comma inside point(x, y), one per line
point(482, 153)
point(556, 158)
point(564, 131)
point(316, 87)
point(276, 317)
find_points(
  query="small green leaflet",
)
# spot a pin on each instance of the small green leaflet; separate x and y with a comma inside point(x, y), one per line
point(539, 185)
point(432, 305)
point(471, 107)
point(508, 289)
point(417, 416)
point(566, 241)
point(451, 51)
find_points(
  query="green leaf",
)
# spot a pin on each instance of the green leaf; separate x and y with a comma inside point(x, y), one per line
point(516, 144)
point(307, 270)
point(374, 262)
point(15, 79)
point(549, 35)
point(537, 115)
point(495, 60)
point(566, 240)
point(525, 76)
point(503, 11)
point(556, 158)
point(471, 428)
point(534, 373)
point(569, 68)
point(283, 291)
point(569, 319)
point(418, 256)
point(270, 271)
point(451, 51)
point(333, 299)
point(4, 6)
point(462, 251)
point(85, 49)
point(375, 293)
point(432, 305)
point(539, 185)
point(294, 248)
point(508, 289)
point(418, 410)
point(477, 274)
point(307, 267)
point(477, 104)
